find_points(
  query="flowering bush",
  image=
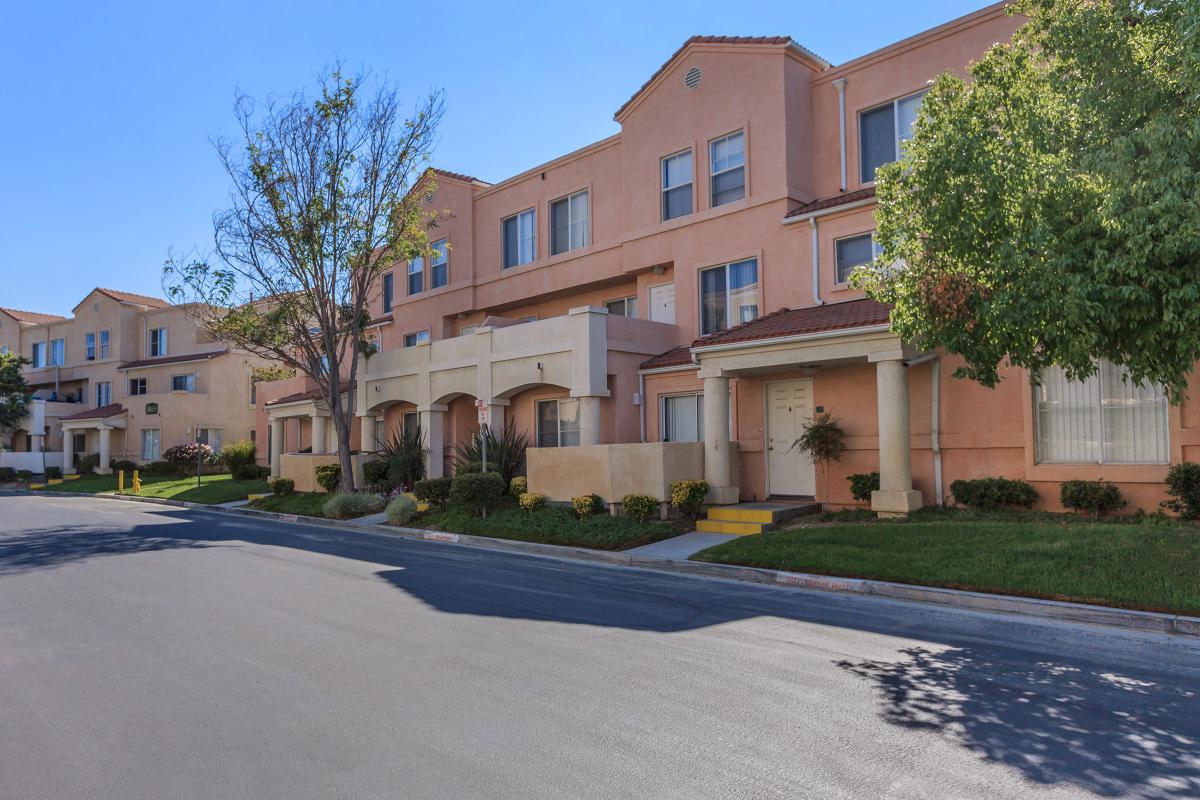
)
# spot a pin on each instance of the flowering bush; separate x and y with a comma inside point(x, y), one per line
point(587, 504)
point(529, 501)
point(639, 506)
point(182, 454)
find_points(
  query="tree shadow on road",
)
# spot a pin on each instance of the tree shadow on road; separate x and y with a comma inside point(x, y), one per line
point(1055, 722)
point(52, 547)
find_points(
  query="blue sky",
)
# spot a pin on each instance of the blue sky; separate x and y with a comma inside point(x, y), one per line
point(104, 144)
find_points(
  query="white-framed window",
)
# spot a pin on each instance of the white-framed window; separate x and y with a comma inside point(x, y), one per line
point(37, 354)
point(103, 393)
point(623, 307)
point(103, 344)
point(439, 265)
point(411, 422)
point(1105, 419)
point(467, 330)
point(682, 418)
point(677, 185)
point(569, 223)
point(89, 346)
point(853, 252)
point(882, 132)
point(58, 352)
point(137, 386)
point(157, 344)
point(520, 238)
point(728, 295)
point(151, 444)
point(183, 383)
point(388, 289)
point(416, 275)
point(414, 339)
point(558, 422)
point(211, 436)
point(727, 162)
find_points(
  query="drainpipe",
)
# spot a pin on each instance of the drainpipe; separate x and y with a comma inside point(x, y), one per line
point(935, 428)
point(642, 404)
point(840, 85)
point(816, 264)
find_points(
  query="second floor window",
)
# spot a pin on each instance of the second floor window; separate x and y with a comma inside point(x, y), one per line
point(157, 346)
point(103, 344)
point(883, 130)
point(388, 286)
point(727, 157)
point(520, 238)
point(439, 267)
point(854, 252)
point(103, 393)
point(677, 185)
point(89, 346)
point(37, 354)
point(728, 295)
point(569, 223)
point(183, 383)
point(625, 307)
point(414, 339)
point(57, 353)
point(137, 386)
point(416, 275)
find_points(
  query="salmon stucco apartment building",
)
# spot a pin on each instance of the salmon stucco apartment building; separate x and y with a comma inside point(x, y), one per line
point(126, 377)
point(673, 301)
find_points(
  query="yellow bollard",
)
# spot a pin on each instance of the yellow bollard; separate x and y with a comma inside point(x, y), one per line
point(137, 483)
point(120, 481)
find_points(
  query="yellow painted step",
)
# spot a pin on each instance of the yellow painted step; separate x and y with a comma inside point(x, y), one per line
point(735, 514)
point(53, 481)
point(256, 496)
point(72, 477)
point(738, 528)
point(37, 486)
point(421, 506)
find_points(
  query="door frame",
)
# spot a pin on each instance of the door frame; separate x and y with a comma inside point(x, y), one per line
point(650, 302)
point(767, 430)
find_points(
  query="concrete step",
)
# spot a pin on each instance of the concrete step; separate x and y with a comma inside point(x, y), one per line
point(736, 528)
point(767, 514)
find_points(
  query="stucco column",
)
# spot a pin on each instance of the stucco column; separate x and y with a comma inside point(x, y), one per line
point(105, 434)
point(432, 420)
point(276, 447)
point(35, 442)
point(495, 416)
point(589, 420)
point(68, 452)
point(895, 495)
point(719, 459)
point(320, 439)
point(366, 434)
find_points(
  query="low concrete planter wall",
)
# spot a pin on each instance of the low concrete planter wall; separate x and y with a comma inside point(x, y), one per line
point(302, 468)
point(613, 470)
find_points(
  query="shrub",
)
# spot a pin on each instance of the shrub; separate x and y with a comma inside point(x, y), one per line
point(688, 496)
point(344, 505)
point(639, 506)
point(8, 474)
point(238, 454)
point(282, 486)
point(993, 493)
point(506, 452)
point(53, 472)
point(468, 468)
point(518, 486)
point(1094, 496)
point(477, 491)
point(123, 464)
point(862, 484)
point(401, 510)
point(24, 475)
point(435, 491)
point(375, 472)
point(157, 469)
point(88, 462)
point(587, 504)
point(251, 472)
point(1183, 485)
point(404, 455)
point(187, 454)
point(329, 476)
point(530, 502)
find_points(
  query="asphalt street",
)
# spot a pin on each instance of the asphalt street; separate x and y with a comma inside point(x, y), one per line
point(156, 652)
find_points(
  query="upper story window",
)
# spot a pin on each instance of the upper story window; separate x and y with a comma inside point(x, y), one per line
point(1106, 419)
point(439, 266)
point(183, 383)
point(414, 339)
point(467, 330)
point(37, 354)
point(854, 252)
point(727, 157)
point(137, 386)
point(728, 295)
point(388, 288)
point(103, 393)
point(625, 307)
point(103, 344)
point(677, 185)
point(520, 238)
point(569, 223)
point(89, 346)
point(58, 352)
point(157, 345)
point(883, 130)
point(416, 275)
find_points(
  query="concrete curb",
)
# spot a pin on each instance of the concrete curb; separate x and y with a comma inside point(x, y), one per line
point(1147, 621)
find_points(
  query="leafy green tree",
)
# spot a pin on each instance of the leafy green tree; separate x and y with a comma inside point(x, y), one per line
point(15, 393)
point(322, 205)
point(1045, 211)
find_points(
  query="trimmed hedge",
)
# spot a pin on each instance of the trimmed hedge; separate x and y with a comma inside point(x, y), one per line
point(329, 476)
point(993, 493)
point(8, 474)
point(587, 504)
point(345, 505)
point(53, 473)
point(157, 469)
point(862, 484)
point(1183, 486)
point(478, 491)
point(435, 491)
point(128, 466)
point(639, 506)
point(687, 497)
point(530, 502)
point(518, 486)
point(1094, 496)
point(251, 472)
point(282, 486)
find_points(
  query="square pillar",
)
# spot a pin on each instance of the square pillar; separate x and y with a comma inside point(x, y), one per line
point(589, 420)
point(320, 437)
point(719, 458)
point(36, 442)
point(366, 434)
point(276, 447)
point(68, 452)
point(105, 434)
point(495, 416)
point(432, 425)
point(895, 496)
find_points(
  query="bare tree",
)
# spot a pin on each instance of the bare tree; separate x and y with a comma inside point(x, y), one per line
point(322, 204)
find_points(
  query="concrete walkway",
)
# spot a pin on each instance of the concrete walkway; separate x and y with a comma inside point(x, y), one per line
point(680, 547)
point(373, 519)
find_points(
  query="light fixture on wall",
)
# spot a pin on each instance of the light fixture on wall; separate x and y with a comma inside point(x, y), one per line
point(657, 270)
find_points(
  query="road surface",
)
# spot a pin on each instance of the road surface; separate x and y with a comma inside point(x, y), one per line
point(154, 652)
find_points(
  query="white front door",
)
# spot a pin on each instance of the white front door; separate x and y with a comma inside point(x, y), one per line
point(789, 406)
point(662, 303)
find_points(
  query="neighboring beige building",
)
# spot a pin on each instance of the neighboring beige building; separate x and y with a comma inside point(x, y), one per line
point(126, 377)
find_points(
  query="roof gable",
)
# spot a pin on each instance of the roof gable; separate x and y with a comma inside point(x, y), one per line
point(129, 298)
point(31, 317)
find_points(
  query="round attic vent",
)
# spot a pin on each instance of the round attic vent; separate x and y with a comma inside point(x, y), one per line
point(691, 78)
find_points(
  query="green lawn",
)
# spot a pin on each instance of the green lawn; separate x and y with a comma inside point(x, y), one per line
point(212, 488)
point(309, 504)
point(551, 525)
point(1125, 563)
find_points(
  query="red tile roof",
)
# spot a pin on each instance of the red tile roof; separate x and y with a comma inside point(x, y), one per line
point(103, 412)
point(843, 199)
point(136, 299)
point(32, 317)
point(311, 394)
point(155, 362)
point(798, 321)
point(459, 176)
point(675, 357)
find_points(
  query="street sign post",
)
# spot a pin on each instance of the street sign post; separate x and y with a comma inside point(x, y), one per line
point(482, 405)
